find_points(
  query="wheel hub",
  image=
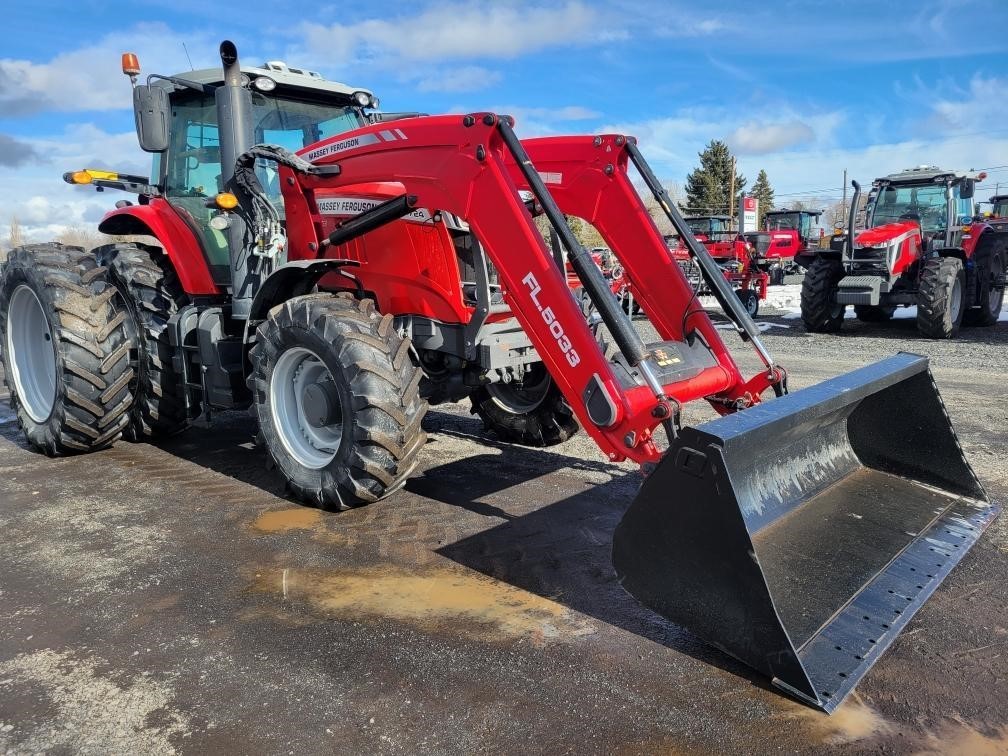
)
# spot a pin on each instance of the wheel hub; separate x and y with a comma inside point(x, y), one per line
point(306, 409)
point(320, 402)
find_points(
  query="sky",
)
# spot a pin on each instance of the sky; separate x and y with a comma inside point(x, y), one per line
point(802, 89)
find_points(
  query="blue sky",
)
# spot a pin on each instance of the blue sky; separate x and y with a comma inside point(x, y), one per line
point(803, 89)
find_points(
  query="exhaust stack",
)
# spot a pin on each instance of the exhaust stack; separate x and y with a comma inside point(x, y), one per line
point(234, 117)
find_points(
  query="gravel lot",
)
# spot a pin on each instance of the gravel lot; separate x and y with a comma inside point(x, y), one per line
point(158, 599)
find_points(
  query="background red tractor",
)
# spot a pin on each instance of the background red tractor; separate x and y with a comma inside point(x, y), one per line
point(735, 255)
point(337, 270)
point(924, 245)
point(787, 236)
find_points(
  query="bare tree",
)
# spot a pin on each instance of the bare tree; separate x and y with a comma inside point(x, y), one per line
point(15, 236)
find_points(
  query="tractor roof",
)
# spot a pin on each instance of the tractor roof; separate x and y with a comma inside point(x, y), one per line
point(928, 174)
point(998, 198)
point(278, 71)
point(785, 210)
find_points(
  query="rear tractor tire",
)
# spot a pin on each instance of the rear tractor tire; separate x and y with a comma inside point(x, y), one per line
point(532, 412)
point(337, 399)
point(65, 344)
point(992, 263)
point(941, 297)
point(147, 281)
point(819, 312)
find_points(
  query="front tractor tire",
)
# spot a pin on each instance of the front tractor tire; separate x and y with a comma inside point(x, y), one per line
point(65, 344)
point(337, 398)
point(819, 312)
point(941, 297)
point(530, 412)
point(148, 283)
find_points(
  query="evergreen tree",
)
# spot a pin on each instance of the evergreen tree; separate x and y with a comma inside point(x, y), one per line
point(764, 194)
point(709, 186)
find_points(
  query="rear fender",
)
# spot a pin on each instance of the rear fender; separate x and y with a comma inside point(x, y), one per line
point(160, 221)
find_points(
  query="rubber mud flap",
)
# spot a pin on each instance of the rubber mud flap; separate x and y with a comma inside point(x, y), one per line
point(802, 534)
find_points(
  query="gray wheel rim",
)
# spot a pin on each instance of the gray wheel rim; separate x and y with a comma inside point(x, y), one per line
point(311, 447)
point(997, 292)
point(32, 354)
point(521, 398)
point(955, 299)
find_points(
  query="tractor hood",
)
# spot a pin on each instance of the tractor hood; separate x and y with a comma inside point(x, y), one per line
point(882, 236)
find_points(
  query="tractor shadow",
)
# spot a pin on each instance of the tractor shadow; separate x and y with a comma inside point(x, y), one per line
point(560, 549)
point(550, 530)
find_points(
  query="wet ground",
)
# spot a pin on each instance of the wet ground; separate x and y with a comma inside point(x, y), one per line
point(169, 598)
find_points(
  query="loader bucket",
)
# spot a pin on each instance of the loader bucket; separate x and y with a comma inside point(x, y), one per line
point(801, 535)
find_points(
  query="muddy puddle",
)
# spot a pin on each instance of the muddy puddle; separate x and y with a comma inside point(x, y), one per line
point(296, 518)
point(852, 721)
point(962, 740)
point(435, 598)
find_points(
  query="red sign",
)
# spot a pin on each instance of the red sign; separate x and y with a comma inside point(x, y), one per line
point(749, 203)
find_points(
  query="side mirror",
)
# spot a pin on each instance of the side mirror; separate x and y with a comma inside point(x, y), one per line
point(966, 188)
point(151, 109)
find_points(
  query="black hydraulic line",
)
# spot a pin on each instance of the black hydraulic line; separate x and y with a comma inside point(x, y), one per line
point(378, 216)
point(730, 303)
point(619, 325)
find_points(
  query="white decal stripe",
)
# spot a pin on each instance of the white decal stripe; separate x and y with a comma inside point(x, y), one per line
point(388, 136)
point(400, 133)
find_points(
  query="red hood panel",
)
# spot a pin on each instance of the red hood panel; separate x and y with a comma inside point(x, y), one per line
point(880, 235)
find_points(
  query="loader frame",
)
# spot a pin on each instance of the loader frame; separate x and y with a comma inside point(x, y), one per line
point(474, 166)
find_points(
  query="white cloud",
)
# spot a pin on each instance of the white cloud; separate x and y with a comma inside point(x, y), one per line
point(757, 138)
point(91, 78)
point(458, 79)
point(453, 31)
point(43, 203)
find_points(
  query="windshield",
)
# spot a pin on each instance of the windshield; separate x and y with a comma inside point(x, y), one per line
point(707, 226)
point(783, 221)
point(192, 166)
point(1000, 207)
point(920, 202)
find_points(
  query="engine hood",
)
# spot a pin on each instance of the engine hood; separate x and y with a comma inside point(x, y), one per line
point(881, 236)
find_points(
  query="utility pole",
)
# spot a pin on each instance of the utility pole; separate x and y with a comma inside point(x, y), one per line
point(844, 192)
point(731, 193)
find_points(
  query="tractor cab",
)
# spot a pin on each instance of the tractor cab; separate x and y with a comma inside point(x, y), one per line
point(939, 202)
point(805, 222)
point(999, 206)
point(291, 108)
point(710, 227)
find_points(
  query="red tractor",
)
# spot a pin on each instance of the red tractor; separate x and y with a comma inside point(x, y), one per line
point(733, 254)
point(924, 245)
point(338, 270)
point(787, 236)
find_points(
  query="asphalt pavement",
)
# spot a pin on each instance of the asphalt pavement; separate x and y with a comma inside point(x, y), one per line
point(169, 598)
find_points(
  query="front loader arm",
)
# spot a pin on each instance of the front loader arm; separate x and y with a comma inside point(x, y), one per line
point(464, 165)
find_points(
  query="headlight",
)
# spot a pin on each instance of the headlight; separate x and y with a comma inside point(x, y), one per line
point(363, 99)
point(264, 84)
